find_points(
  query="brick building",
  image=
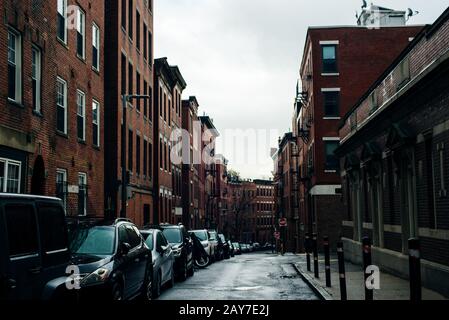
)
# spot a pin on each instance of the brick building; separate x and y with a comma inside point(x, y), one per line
point(265, 214)
point(394, 161)
point(338, 66)
point(221, 185)
point(51, 97)
point(168, 87)
point(129, 71)
point(191, 181)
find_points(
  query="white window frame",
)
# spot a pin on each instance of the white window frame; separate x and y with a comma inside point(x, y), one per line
point(64, 14)
point(7, 162)
point(96, 43)
point(96, 121)
point(37, 76)
point(17, 63)
point(81, 28)
point(64, 83)
point(83, 175)
point(64, 180)
point(79, 94)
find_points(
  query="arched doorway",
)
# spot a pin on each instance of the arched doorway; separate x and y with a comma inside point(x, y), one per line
point(38, 179)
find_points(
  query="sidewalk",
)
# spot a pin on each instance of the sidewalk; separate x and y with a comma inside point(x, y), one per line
point(392, 288)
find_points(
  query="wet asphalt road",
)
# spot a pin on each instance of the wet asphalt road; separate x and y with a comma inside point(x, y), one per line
point(256, 276)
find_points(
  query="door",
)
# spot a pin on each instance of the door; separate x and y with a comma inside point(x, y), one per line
point(125, 261)
point(139, 255)
point(24, 264)
point(54, 240)
point(166, 263)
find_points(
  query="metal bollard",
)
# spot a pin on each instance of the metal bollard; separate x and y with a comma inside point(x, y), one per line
point(307, 245)
point(341, 271)
point(327, 262)
point(366, 246)
point(315, 255)
point(415, 269)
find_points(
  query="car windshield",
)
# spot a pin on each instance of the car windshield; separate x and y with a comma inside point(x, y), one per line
point(99, 241)
point(149, 241)
point(201, 235)
point(173, 235)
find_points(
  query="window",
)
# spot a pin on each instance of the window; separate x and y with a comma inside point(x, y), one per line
point(145, 101)
point(61, 105)
point(138, 30)
point(81, 34)
point(81, 115)
point(62, 21)
point(10, 174)
point(22, 230)
point(95, 47)
point(123, 75)
point(150, 159)
point(96, 123)
point(373, 101)
point(130, 150)
point(331, 159)
point(61, 186)
point(329, 59)
point(138, 155)
point(138, 101)
point(331, 104)
point(145, 42)
point(130, 19)
point(402, 73)
point(133, 236)
point(145, 157)
point(130, 78)
point(150, 103)
point(52, 228)
point(124, 14)
point(14, 66)
point(36, 77)
point(82, 194)
point(150, 48)
point(161, 157)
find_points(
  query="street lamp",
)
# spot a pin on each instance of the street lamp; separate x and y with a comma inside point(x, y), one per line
point(125, 99)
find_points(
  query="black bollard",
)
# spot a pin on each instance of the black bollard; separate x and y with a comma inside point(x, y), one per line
point(415, 269)
point(315, 255)
point(307, 245)
point(327, 261)
point(341, 271)
point(366, 246)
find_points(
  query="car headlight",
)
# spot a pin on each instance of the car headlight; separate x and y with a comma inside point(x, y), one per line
point(98, 276)
point(177, 253)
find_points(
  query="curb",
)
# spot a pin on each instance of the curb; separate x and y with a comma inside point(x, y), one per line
point(310, 281)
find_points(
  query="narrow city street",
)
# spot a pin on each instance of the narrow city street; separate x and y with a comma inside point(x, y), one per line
point(257, 276)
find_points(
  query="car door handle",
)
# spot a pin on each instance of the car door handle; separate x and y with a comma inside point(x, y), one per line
point(36, 270)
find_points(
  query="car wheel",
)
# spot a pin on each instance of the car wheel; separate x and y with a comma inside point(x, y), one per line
point(191, 270)
point(148, 288)
point(117, 292)
point(157, 286)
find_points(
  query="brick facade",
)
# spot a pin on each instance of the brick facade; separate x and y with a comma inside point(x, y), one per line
point(30, 136)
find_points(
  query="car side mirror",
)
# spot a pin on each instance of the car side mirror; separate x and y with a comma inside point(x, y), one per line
point(125, 248)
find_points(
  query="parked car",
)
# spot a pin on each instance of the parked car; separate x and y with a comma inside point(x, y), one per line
point(34, 249)
point(204, 237)
point(237, 248)
point(231, 249)
point(223, 243)
point(163, 260)
point(256, 246)
point(179, 239)
point(113, 260)
point(213, 239)
point(245, 248)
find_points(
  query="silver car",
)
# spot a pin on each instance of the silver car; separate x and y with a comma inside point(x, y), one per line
point(163, 260)
point(204, 237)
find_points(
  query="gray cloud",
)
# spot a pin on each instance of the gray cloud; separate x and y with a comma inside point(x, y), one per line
point(241, 57)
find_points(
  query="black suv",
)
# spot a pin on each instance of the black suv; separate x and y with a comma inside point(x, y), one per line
point(182, 246)
point(113, 260)
point(34, 250)
point(224, 245)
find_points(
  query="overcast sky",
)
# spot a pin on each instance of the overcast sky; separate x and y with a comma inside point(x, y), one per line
point(241, 58)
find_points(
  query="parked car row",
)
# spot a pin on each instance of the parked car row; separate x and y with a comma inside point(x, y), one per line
point(46, 256)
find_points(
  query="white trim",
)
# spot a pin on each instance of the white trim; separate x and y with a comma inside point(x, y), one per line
point(96, 34)
point(332, 74)
point(434, 233)
point(38, 76)
point(347, 223)
point(325, 190)
point(331, 139)
point(65, 87)
point(80, 93)
point(95, 102)
point(329, 42)
point(7, 162)
point(330, 89)
point(331, 118)
point(392, 228)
